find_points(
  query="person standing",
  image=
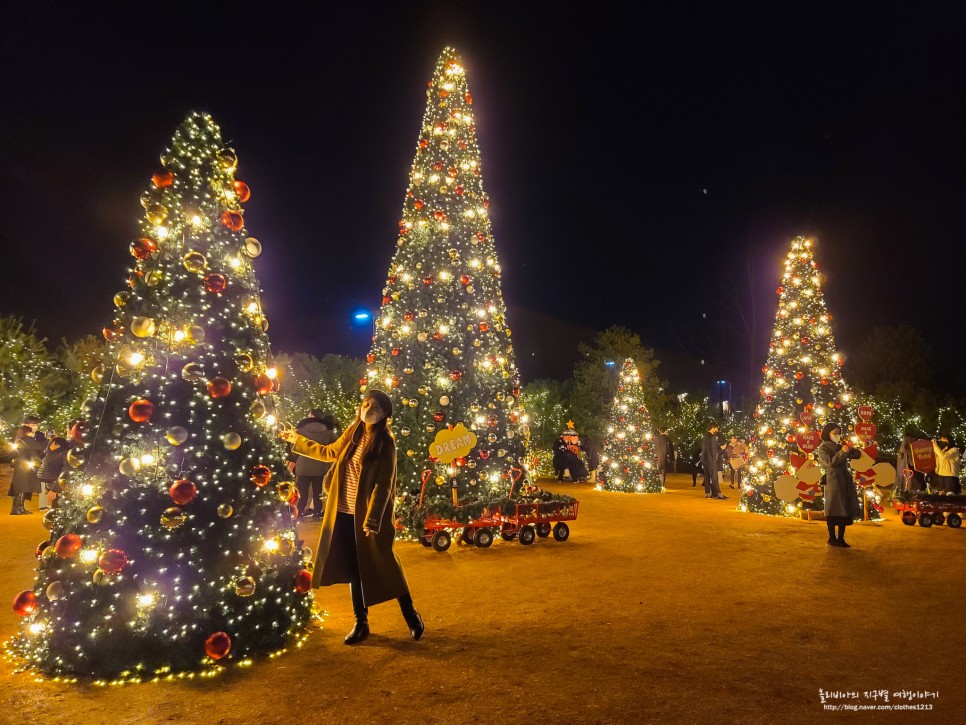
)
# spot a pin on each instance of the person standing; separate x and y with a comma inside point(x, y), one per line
point(947, 465)
point(737, 454)
point(711, 462)
point(662, 451)
point(904, 462)
point(55, 457)
point(592, 451)
point(26, 457)
point(842, 505)
point(355, 544)
point(309, 472)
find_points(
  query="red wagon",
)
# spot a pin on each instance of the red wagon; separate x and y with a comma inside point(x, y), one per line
point(534, 519)
point(932, 510)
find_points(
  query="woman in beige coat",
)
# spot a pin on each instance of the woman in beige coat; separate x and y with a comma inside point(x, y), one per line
point(355, 545)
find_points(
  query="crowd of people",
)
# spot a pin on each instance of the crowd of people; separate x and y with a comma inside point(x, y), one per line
point(38, 459)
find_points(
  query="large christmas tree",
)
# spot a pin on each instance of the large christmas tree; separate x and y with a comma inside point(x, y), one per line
point(628, 461)
point(174, 545)
point(802, 390)
point(442, 346)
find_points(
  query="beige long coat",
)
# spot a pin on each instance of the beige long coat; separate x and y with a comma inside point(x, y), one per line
point(381, 573)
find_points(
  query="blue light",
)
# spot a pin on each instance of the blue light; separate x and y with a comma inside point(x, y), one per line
point(609, 363)
point(361, 316)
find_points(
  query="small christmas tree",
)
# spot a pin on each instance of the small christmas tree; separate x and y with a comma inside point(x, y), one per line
point(174, 545)
point(802, 389)
point(628, 461)
point(442, 346)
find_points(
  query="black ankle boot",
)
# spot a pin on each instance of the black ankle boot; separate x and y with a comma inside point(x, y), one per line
point(414, 622)
point(359, 632)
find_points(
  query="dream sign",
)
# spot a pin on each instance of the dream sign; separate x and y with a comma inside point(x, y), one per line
point(923, 456)
point(452, 443)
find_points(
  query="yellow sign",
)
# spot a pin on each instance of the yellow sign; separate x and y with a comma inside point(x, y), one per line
point(452, 443)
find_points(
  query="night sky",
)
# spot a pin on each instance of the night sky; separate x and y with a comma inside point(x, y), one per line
point(632, 161)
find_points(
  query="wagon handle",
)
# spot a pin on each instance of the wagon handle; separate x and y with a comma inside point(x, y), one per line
point(424, 477)
point(515, 475)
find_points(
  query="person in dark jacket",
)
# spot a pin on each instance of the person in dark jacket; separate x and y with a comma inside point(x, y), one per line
point(696, 469)
point(355, 544)
point(711, 452)
point(842, 505)
point(592, 451)
point(662, 451)
point(55, 457)
point(309, 472)
point(27, 453)
point(915, 482)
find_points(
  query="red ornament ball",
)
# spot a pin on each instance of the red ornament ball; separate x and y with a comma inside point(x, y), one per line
point(215, 283)
point(465, 280)
point(233, 220)
point(484, 327)
point(141, 410)
point(303, 581)
point(428, 280)
point(492, 421)
point(824, 381)
point(113, 332)
point(112, 561)
point(143, 248)
point(395, 352)
point(219, 387)
point(439, 416)
point(261, 475)
point(455, 375)
point(217, 645)
point(242, 191)
point(484, 454)
point(799, 375)
point(370, 358)
point(439, 216)
point(263, 384)
point(67, 545)
point(418, 203)
point(25, 603)
point(460, 461)
point(779, 290)
point(162, 179)
point(182, 492)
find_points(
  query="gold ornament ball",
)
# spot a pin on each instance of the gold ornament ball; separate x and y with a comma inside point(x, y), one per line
point(413, 402)
point(244, 362)
point(143, 327)
point(286, 547)
point(231, 441)
point(227, 159)
point(49, 553)
point(192, 372)
point(196, 334)
point(153, 277)
point(253, 247)
point(285, 490)
point(422, 337)
point(95, 514)
point(245, 586)
point(123, 370)
point(172, 518)
point(156, 213)
point(74, 459)
point(444, 400)
point(97, 374)
point(176, 435)
point(306, 553)
point(101, 578)
point(410, 453)
point(122, 298)
point(225, 510)
point(194, 262)
point(129, 466)
point(48, 519)
point(440, 480)
point(54, 590)
point(257, 409)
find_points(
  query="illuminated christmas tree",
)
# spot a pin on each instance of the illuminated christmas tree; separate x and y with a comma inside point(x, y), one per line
point(442, 346)
point(628, 461)
point(174, 546)
point(802, 389)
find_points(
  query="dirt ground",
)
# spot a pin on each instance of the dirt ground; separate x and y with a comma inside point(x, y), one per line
point(660, 608)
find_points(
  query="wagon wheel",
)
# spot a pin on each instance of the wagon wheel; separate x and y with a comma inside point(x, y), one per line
point(467, 536)
point(954, 521)
point(938, 519)
point(483, 538)
point(527, 535)
point(508, 534)
point(442, 540)
point(925, 520)
point(543, 530)
point(425, 539)
point(908, 518)
point(561, 532)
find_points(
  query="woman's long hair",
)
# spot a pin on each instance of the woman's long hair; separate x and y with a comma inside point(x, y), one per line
point(381, 433)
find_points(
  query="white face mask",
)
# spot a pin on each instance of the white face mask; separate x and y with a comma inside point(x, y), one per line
point(836, 437)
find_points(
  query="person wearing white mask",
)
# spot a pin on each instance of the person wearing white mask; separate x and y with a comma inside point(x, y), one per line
point(842, 505)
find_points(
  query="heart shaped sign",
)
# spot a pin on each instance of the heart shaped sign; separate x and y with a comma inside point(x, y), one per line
point(865, 431)
point(866, 412)
point(807, 417)
point(809, 441)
